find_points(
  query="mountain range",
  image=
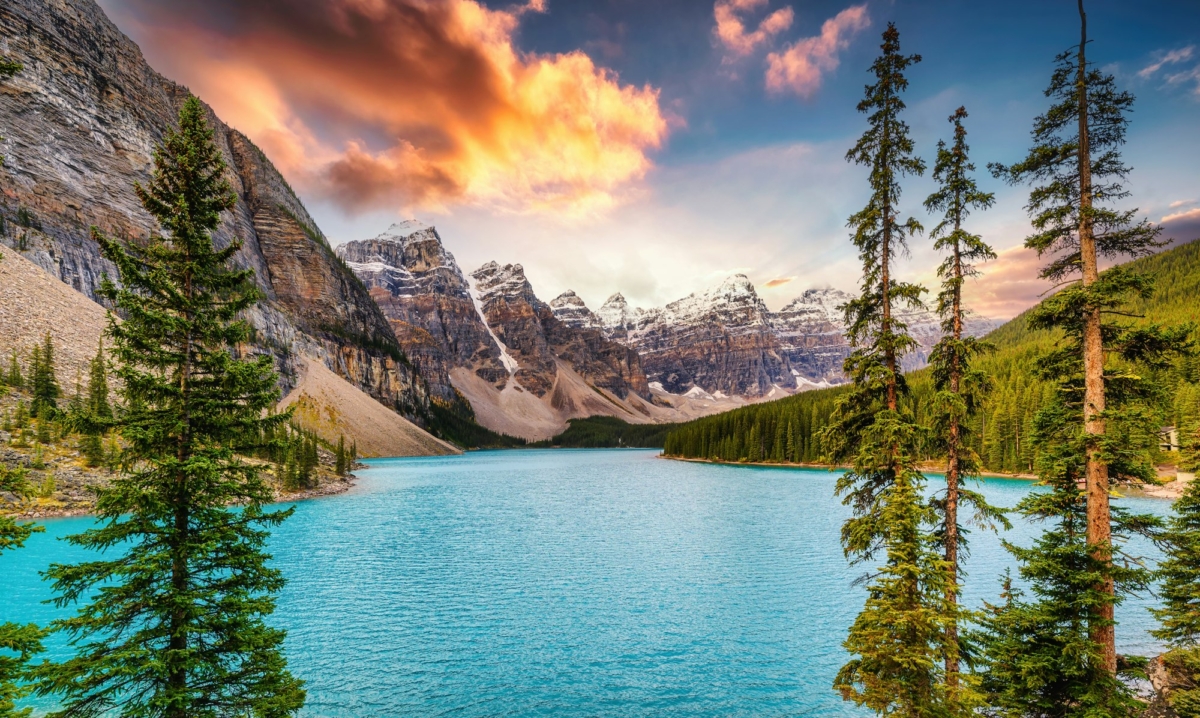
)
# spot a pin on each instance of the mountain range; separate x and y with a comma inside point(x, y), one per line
point(527, 366)
point(393, 317)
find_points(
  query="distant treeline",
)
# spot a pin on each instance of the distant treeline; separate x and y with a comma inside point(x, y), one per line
point(606, 432)
point(787, 430)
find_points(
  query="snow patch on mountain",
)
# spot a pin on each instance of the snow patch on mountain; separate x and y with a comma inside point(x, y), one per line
point(510, 364)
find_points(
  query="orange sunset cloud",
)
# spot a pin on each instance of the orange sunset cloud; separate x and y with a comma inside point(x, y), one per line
point(386, 103)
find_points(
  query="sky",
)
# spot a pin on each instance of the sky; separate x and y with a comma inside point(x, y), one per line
point(655, 148)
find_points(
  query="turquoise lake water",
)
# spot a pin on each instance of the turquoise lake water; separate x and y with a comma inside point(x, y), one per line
point(568, 583)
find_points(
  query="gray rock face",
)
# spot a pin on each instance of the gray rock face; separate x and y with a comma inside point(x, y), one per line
point(570, 310)
point(425, 297)
point(537, 340)
point(726, 340)
point(81, 122)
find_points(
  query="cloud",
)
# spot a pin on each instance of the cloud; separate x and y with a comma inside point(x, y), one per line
point(1180, 78)
point(409, 103)
point(778, 282)
point(731, 30)
point(1181, 226)
point(1170, 58)
point(1181, 203)
point(799, 67)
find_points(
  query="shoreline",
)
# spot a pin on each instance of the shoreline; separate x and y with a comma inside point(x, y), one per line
point(333, 488)
point(1168, 490)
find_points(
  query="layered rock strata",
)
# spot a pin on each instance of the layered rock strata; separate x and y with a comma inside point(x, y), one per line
point(81, 122)
point(427, 300)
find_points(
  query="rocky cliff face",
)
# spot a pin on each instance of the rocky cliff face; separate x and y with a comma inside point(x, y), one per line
point(812, 333)
point(428, 302)
point(537, 340)
point(720, 341)
point(726, 342)
point(490, 339)
point(81, 123)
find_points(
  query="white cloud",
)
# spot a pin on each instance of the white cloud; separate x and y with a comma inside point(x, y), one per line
point(1170, 58)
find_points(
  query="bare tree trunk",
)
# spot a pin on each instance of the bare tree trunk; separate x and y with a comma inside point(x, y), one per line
point(1099, 527)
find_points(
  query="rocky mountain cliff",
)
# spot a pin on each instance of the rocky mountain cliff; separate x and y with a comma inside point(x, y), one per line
point(81, 122)
point(489, 339)
point(725, 342)
point(428, 302)
point(538, 340)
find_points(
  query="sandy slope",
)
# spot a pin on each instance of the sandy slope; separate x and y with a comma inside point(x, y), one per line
point(329, 405)
point(33, 302)
point(517, 412)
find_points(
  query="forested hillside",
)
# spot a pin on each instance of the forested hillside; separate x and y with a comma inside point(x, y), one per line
point(787, 430)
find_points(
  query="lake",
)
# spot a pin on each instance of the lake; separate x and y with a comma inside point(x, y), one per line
point(569, 583)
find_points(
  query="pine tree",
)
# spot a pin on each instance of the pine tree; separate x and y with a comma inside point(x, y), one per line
point(18, 643)
point(898, 639)
point(1075, 166)
point(340, 456)
point(14, 378)
point(178, 629)
point(1038, 657)
point(97, 412)
point(1180, 593)
point(97, 390)
point(957, 382)
point(44, 381)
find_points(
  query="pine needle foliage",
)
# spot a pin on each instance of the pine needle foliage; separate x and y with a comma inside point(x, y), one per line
point(1038, 655)
point(898, 640)
point(44, 380)
point(1179, 615)
point(958, 382)
point(178, 627)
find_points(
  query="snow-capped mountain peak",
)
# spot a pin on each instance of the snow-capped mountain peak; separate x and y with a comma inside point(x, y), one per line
point(570, 309)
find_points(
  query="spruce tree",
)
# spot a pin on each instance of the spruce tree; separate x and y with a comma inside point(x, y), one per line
point(18, 643)
point(97, 390)
point(14, 379)
point(958, 383)
point(1038, 656)
point(898, 639)
point(1180, 592)
point(44, 380)
point(179, 627)
point(96, 411)
point(340, 456)
point(1076, 171)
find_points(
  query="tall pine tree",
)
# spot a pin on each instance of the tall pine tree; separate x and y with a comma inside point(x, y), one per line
point(958, 384)
point(897, 641)
point(178, 628)
point(1076, 169)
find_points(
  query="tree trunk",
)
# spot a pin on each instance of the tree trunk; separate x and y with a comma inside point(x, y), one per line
point(1099, 527)
point(953, 471)
point(180, 578)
